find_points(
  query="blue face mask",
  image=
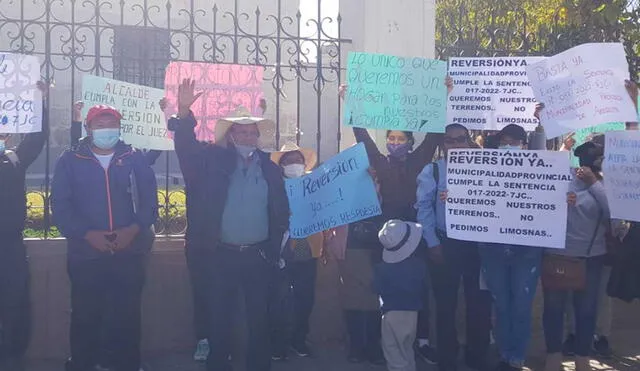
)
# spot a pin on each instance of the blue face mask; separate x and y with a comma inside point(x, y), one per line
point(3, 144)
point(399, 150)
point(105, 139)
point(244, 150)
point(511, 148)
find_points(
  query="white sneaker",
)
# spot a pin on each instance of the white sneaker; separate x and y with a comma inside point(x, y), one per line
point(202, 351)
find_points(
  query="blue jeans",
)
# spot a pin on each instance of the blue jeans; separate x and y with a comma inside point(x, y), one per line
point(585, 306)
point(511, 273)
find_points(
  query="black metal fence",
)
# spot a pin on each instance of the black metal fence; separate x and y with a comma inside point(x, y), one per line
point(134, 40)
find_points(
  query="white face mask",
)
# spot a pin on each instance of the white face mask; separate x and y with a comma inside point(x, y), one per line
point(293, 170)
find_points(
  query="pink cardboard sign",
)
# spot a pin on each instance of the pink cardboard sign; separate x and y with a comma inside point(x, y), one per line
point(225, 87)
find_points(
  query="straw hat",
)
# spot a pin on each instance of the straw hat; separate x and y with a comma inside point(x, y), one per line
point(310, 157)
point(399, 240)
point(242, 116)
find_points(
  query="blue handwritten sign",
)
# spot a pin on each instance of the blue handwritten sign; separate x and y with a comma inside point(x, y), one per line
point(622, 174)
point(20, 99)
point(396, 93)
point(338, 192)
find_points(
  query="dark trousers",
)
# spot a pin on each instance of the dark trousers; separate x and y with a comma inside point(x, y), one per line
point(424, 327)
point(461, 262)
point(230, 272)
point(14, 299)
point(364, 328)
point(106, 312)
point(585, 306)
point(292, 300)
point(198, 276)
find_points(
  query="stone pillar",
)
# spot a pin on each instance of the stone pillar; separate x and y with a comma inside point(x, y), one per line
point(400, 27)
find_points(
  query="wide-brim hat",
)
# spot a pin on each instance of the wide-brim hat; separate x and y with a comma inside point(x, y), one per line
point(310, 157)
point(242, 116)
point(399, 240)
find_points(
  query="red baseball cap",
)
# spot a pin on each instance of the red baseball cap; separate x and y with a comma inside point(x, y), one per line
point(102, 109)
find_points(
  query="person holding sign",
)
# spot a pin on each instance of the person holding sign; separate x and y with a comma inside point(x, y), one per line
point(397, 173)
point(511, 273)
point(238, 213)
point(299, 273)
point(578, 268)
point(14, 269)
point(451, 261)
point(104, 201)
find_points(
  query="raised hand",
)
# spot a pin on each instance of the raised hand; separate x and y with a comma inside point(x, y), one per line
point(187, 96)
point(77, 111)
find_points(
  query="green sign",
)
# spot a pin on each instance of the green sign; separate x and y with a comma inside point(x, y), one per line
point(396, 93)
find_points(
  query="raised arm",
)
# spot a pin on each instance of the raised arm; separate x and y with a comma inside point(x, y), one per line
point(30, 147)
point(188, 149)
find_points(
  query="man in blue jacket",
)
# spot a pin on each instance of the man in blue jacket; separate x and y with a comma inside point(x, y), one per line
point(104, 201)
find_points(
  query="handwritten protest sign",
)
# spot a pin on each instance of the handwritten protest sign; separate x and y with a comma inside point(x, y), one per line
point(512, 197)
point(143, 122)
point(622, 174)
point(20, 99)
point(582, 87)
point(225, 87)
point(582, 135)
point(339, 192)
point(395, 93)
point(491, 93)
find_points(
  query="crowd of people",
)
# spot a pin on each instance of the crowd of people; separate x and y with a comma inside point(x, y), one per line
point(104, 202)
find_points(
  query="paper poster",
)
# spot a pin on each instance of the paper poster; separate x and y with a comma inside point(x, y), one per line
point(20, 98)
point(143, 122)
point(622, 174)
point(510, 197)
point(395, 93)
point(582, 87)
point(491, 93)
point(581, 136)
point(338, 192)
point(225, 87)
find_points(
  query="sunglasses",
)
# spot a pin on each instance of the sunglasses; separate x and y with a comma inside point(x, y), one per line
point(453, 140)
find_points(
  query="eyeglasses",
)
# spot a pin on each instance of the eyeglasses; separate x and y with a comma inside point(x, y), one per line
point(453, 140)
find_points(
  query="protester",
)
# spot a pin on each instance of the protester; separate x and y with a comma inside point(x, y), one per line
point(15, 321)
point(237, 214)
point(76, 132)
point(587, 221)
point(397, 173)
point(199, 283)
point(298, 277)
point(104, 201)
point(357, 296)
point(450, 261)
point(400, 280)
point(511, 273)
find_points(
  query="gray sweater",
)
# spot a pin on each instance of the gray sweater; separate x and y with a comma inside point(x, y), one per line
point(582, 220)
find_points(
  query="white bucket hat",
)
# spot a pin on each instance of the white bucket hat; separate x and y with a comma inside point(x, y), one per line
point(242, 116)
point(399, 240)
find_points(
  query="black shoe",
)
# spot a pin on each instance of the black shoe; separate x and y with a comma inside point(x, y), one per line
point(355, 357)
point(602, 348)
point(477, 364)
point(377, 360)
point(506, 366)
point(569, 346)
point(279, 356)
point(427, 354)
point(301, 349)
